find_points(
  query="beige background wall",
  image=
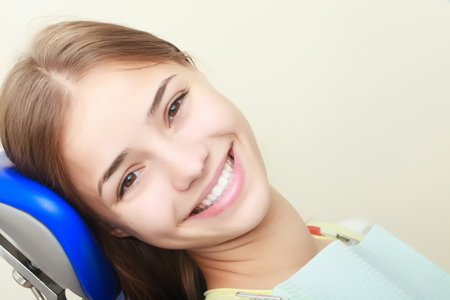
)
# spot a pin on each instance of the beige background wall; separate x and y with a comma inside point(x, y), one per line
point(350, 100)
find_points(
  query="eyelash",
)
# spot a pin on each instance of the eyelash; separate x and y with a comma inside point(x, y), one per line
point(124, 189)
point(179, 101)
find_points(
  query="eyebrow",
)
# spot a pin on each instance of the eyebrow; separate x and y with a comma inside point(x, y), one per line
point(159, 95)
point(121, 157)
point(112, 168)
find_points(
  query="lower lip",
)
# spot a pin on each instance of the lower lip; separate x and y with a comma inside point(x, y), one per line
point(230, 196)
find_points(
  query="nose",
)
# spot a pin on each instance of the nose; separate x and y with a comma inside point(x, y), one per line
point(185, 163)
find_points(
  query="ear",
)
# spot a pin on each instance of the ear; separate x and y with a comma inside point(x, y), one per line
point(114, 230)
point(119, 233)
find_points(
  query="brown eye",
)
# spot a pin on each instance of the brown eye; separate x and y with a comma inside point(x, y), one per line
point(129, 180)
point(174, 109)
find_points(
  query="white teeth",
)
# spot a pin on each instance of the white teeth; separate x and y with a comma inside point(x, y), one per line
point(217, 190)
point(206, 202)
point(212, 197)
point(222, 185)
point(223, 181)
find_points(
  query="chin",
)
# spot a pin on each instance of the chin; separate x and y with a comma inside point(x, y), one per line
point(249, 215)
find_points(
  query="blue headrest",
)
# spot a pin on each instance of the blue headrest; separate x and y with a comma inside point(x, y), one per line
point(88, 259)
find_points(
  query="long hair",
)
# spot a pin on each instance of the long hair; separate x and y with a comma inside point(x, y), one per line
point(34, 103)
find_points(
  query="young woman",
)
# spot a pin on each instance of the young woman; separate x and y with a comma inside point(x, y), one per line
point(164, 169)
point(124, 126)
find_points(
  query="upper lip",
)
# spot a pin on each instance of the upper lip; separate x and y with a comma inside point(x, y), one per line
point(207, 190)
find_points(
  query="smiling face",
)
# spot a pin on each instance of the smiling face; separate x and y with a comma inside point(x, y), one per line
point(146, 146)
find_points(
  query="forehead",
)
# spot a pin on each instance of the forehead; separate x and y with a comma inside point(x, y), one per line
point(110, 102)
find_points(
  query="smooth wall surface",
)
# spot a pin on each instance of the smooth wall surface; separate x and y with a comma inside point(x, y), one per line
point(349, 100)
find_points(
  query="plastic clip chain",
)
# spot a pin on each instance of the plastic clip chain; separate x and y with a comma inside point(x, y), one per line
point(314, 230)
point(259, 297)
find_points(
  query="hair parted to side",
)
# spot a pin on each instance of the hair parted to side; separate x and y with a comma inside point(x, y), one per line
point(34, 103)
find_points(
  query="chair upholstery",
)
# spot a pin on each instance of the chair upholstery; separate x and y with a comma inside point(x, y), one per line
point(53, 236)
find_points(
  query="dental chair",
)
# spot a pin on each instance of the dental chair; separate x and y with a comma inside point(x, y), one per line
point(48, 244)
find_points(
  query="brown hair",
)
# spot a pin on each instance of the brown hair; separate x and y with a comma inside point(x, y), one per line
point(34, 101)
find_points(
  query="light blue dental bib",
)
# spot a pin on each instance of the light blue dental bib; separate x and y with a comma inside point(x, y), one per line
point(380, 267)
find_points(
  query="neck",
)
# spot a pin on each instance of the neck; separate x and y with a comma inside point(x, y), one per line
point(264, 257)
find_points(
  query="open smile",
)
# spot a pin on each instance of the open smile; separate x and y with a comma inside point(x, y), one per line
point(221, 187)
point(227, 186)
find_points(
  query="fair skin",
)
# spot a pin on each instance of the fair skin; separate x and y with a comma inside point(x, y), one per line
point(172, 157)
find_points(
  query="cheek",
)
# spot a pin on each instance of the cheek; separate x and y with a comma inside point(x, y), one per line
point(149, 215)
point(212, 114)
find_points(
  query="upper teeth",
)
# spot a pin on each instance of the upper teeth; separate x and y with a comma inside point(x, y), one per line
point(220, 188)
